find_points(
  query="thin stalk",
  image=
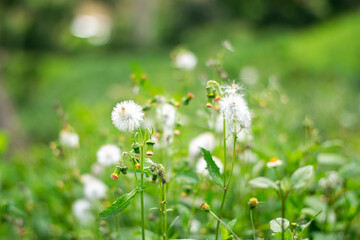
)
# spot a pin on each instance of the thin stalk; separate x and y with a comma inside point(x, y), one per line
point(142, 191)
point(283, 202)
point(224, 224)
point(164, 212)
point(225, 189)
point(252, 223)
point(226, 183)
point(161, 209)
point(192, 211)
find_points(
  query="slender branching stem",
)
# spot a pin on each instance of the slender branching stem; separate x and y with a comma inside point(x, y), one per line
point(164, 212)
point(224, 224)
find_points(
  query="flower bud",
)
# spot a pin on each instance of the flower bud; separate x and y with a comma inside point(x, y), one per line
point(209, 102)
point(154, 178)
point(161, 172)
point(146, 108)
point(188, 98)
point(253, 203)
point(153, 168)
point(163, 180)
point(205, 207)
point(217, 96)
point(136, 147)
point(114, 176)
point(209, 92)
point(176, 132)
point(150, 145)
point(137, 166)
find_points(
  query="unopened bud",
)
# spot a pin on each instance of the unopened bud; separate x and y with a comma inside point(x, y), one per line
point(137, 166)
point(209, 102)
point(188, 98)
point(209, 92)
point(205, 207)
point(154, 178)
point(253, 203)
point(143, 76)
point(161, 172)
point(163, 180)
point(136, 147)
point(150, 145)
point(176, 132)
point(114, 176)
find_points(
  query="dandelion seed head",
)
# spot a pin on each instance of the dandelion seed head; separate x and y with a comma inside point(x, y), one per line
point(81, 209)
point(127, 116)
point(108, 154)
point(205, 140)
point(69, 139)
point(185, 60)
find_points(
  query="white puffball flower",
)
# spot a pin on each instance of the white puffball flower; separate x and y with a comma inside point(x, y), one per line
point(201, 166)
point(237, 114)
point(205, 140)
point(97, 169)
point(93, 188)
point(185, 60)
point(108, 154)
point(127, 116)
point(249, 75)
point(81, 209)
point(69, 139)
point(274, 162)
point(166, 115)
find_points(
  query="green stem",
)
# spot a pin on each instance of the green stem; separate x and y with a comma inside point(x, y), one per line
point(225, 225)
point(142, 191)
point(283, 202)
point(252, 223)
point(165, 215)
point(161, 208)
point(225, 189)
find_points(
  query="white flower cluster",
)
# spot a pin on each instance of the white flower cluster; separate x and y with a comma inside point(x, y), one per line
point(108, 154)
point(69, 139)
point(127, 116)
point(235, 110)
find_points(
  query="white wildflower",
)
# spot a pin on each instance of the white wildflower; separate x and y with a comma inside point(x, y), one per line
point(185, 60)
point(205, 140)
point(69, 139)
point(82, 211)
point(331, 181)
point(195, 226)
point(201, 166)
point(127, 116)
point(108, 154)
point(236, 112)
point(274, 162)
point(93, 188)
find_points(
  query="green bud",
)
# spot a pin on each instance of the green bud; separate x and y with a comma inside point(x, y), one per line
point(150, 145)
point(136, 147)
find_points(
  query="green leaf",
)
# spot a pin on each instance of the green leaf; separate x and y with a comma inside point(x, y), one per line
point(330, 160)
point(302, 177)
point(304, 226)
point(224, 232)
point(213, 169)
point(173, 222)
point(119, 205)
point(277, 223)
point(263, 182)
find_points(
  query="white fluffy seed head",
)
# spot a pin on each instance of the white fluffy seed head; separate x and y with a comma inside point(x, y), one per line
point(82, 211)
point(69, 139)
point(185, 60)
point(94, 189)
point(108, 154)
point(205, 140)
point(127, 116)
point(236, 112)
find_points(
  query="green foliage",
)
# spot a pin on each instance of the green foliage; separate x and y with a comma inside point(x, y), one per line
point(119, 205)
point(213, 169)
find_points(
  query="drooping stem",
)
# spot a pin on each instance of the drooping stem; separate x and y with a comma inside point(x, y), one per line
point(142, 191)
point(252, 223)
point(224, 224)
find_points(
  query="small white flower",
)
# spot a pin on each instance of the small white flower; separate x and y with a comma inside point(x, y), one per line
point(201, 166)
point(331, 181)
point(205, 140)
point(127, 116)
point(82, 211)
point(93, 188)
point(274, 162)
point(195, 226)
point(108, 154)
point(69, 139)
point(185, 60)
point(236, 111)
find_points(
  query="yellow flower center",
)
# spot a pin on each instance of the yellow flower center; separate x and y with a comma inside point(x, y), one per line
point(273, 159)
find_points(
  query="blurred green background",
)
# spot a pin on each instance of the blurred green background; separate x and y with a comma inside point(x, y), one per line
point(80, 54)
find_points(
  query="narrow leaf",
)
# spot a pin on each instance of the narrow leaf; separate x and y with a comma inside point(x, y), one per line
point(119, 205)
point(213, 169)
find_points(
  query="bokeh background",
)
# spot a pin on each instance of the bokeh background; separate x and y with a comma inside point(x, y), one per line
point(80, 54)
